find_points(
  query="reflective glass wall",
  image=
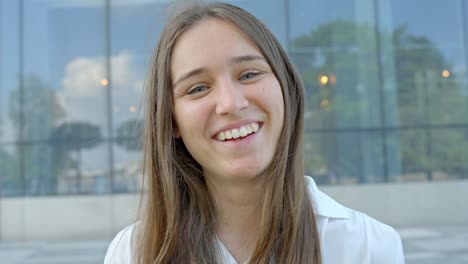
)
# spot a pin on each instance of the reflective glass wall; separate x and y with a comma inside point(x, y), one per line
point(387, 88)
point(387, 92)
point(71, 79)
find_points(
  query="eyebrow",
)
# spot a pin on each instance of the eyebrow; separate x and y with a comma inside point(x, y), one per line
point(234, 60)
point(240, 59)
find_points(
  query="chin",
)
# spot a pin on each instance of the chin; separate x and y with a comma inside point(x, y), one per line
point(246, 173)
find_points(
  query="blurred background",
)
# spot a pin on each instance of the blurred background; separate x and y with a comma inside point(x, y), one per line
point(386, 120)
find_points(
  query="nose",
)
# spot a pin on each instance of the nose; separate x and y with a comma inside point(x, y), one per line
point(230, 98)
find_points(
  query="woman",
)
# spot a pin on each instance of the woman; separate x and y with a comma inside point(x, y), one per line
point(223, 157)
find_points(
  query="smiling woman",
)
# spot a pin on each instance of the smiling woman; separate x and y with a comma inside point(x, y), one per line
point(224, 160)
point(239, 91)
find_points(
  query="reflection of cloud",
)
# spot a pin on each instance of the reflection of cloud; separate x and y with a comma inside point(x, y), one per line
point(83, 76)
point(85, 99)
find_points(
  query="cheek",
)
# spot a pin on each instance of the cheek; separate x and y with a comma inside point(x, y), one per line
point(179, 122)
point(275, 100)
point(189, 118)
point(277, 104)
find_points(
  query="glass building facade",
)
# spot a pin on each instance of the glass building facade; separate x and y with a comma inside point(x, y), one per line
point(386, 85)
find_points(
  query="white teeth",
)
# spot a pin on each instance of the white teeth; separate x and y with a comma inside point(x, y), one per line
point(254, 127)
point(228, 135)
point(243, 131)
point(221, 136)
point(235, 133)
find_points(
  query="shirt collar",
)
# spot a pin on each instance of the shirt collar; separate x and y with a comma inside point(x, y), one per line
point(323, 204)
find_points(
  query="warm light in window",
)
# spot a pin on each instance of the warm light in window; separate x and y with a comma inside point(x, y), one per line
point(323, 80)
point(324, 103)
point(445, 73)
point(104, 82)
point(132, 109)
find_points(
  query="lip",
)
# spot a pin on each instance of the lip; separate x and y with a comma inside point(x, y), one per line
point(236, 125)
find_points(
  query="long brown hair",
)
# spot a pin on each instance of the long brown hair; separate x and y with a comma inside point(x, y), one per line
point(177, 215)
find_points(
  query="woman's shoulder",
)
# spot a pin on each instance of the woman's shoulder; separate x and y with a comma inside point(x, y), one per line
point(382, 243)
point(356, 235)
point(119, 250)
point(365, 239)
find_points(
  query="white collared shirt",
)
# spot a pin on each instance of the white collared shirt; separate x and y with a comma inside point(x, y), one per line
point(346, 236)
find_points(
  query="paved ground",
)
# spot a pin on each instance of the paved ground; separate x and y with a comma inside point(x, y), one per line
point(441, 245)
point(435, 245)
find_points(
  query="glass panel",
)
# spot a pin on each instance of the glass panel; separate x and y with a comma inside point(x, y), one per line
point(409, 157)
point(128, 165)
point(40, 166)
point(135, 28)
point(64, 65)
point(430, 60)
point(385, 66)
point(62, 109)
point(71, 166)
point(274, 17)
point(343, 158)
point(436, 154)
point(335, 49)
point(449, 152)
point(11, 183)
point(9, 70)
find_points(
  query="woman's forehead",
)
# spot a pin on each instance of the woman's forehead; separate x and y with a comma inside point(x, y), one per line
point(210, 41)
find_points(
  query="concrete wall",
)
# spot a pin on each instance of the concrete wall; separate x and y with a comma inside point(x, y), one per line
point(65, 217)
point(101, 217)
point(408, 204)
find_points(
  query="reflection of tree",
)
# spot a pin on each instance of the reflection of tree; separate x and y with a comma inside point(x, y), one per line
point(33, 110)
point(74, 136)
point(338, 47)
point(425, 97)
point(337, 62)
point(129, 137)
point(128, 134)
point(346, 54)
point(414, 56)
point(9, 183)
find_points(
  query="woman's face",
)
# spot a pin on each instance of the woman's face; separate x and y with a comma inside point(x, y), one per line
point(228, 104)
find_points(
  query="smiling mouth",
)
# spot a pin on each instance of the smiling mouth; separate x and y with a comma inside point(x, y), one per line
point(238, 133)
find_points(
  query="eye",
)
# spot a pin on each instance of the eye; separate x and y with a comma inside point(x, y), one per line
point(249, 75)
point(198, 89)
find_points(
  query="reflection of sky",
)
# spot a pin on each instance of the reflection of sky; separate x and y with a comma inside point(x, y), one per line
point(36, 40)
point(8, 49)
point(440, 21)
point(54, 36)
point(269, 12)
point(80, 32)
point(137, 30)
point(75, 32)
point(307, 15)
point(9, 64)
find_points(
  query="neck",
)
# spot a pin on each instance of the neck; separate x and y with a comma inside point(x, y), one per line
point(237, 216)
